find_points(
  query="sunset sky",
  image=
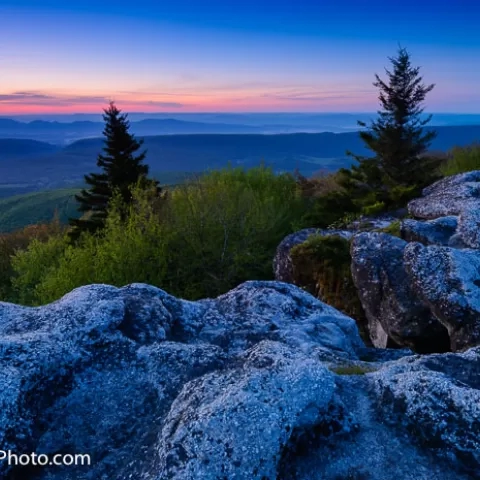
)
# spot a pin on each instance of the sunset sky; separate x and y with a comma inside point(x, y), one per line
point(61, 56)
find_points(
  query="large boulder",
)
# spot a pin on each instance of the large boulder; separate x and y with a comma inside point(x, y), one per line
point(98, 372)
point(282, 262)
point(448, 196)
point(437, 399)
point(264, 382)
point(395, 314)
point(448, 281)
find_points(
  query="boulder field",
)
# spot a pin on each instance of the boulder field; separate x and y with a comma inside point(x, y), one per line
point(263, 382)
point(420, 291)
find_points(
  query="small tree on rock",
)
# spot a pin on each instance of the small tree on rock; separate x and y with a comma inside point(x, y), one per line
point(120, 170)
point(397, 139)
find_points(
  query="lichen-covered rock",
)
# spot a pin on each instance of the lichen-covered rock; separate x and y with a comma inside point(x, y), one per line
point(245, 417)
point(448, 196)
point(282, 262)
point(431, 232)
point(97, 371)
point(448, 281)
point(263, 382)
point(437, 399)
point(392, 308)
point(469, 227)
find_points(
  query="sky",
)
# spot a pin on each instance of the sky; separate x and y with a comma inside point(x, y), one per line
point(66, 56)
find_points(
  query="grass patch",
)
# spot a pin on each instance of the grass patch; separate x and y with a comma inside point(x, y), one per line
point(393, 229)
point(462, 159)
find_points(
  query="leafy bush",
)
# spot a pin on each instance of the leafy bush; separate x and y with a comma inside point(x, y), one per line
point(210, 235)
point(10, 243)
point(462, 159)
point(33, 265)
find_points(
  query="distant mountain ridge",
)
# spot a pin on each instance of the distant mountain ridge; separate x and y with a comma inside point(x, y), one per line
point(89, 126)
point(11, 148)
point(43, 166)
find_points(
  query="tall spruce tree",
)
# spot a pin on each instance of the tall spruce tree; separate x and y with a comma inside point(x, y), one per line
point(120, 170)
point(397, 138)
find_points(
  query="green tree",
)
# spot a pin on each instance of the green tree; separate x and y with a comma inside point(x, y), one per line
point(120, 169)
point(397, 138)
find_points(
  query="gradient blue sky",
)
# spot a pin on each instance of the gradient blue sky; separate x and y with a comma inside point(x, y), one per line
point(59, 56)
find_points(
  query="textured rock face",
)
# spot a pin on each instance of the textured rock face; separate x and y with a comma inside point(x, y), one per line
point(448, 196)
point(254, 384)
point(469, 227)
point(393, 311)
point(431, 232)
point(448, 280)
point(437, 398)
point(282, 262)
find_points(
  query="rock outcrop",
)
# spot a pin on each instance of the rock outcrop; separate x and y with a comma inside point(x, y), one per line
point(448, 281)
point(282, 262)
point(448, 196)
point(264, 382)
point(432, 232)
point(394, 313)
point(409, 289)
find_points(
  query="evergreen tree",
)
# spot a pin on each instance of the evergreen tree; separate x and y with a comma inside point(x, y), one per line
point(397, 139)
point(120, 170)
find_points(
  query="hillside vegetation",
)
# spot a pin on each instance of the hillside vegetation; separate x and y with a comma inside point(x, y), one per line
point(38, 207)
point(33, 208)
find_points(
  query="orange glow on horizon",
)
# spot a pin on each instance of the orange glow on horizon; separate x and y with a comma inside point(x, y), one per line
point(194, 104)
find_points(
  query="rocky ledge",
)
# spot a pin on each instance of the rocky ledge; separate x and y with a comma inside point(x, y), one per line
point(420, 291)
point(264, 382)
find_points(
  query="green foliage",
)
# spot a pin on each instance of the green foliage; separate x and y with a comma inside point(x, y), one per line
point(207, 237)
point(120, 169)
point(10, 243)
point(33, 265)
point(462, 159)
point(393, 229)
point(399, 167)
point(374, 209)
point(321, 265)
point(329, 209)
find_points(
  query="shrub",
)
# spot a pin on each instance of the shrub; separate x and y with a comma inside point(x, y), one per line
point(210, 235)
point(10, 243)
point(33, 265)
point(462, 159)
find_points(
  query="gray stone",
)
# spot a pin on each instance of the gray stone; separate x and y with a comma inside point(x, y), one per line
point(430, 232)
point(469, 227)
point(448, 280)
point(437, 399)
point(244, 418)
point(448, 196)
point(392, 308)
point(264, 382)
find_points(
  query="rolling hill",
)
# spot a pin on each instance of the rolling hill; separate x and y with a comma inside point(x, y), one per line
point(43, 166)
point(21, 210)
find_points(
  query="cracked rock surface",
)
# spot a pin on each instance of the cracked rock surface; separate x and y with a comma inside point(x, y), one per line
point(264, 382)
